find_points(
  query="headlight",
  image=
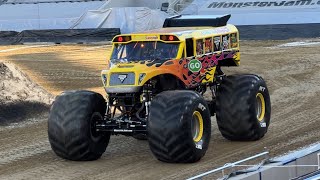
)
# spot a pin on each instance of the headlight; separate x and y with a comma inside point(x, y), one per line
point(141, 77)
point(104, 77)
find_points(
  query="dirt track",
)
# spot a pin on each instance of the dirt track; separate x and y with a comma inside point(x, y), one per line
point(292, 74)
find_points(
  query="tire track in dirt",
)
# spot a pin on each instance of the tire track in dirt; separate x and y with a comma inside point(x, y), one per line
point(293, 79)
point(23, 152)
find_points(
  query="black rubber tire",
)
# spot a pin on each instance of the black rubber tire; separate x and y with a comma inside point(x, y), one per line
point(140, 136)
point(70, 127)
point(236, 108)
point(169, 126)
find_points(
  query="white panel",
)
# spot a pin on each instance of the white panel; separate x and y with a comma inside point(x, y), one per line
point(67, 15)
point(43, 16)
point(10, 12)
point(129, 19)
point(153, 4)
point(252, 12)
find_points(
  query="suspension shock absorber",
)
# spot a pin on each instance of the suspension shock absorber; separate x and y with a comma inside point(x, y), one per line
point(107, 114)
point(147, 96)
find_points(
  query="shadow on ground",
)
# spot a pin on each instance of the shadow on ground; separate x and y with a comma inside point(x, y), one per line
point(57, 72)
point(21, 111)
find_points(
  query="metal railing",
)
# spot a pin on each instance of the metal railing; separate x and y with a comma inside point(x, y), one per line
point(229, 165)
point(238, 164)
point(318, 161)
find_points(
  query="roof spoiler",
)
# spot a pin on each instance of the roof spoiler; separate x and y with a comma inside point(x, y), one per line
point(196, 20)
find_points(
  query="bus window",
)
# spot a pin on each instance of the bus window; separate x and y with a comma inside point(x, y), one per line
point(234, 40)
point(144, 50)
point(225, 42)
point(199, 46)
point(208, 45)
point(189, 47)
point(217, 43)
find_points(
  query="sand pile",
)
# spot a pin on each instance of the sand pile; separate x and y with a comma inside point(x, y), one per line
point(16, 86)
point(20, 98)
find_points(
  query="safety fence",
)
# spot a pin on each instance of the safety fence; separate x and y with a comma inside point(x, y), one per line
point(279, 31)
point(301, 164)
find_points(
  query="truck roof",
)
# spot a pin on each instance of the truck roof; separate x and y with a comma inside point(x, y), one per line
point(190, 32)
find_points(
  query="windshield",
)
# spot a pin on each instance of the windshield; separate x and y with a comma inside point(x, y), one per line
point(139, 51)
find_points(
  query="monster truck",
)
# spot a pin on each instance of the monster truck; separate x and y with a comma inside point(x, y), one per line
point(155, 82)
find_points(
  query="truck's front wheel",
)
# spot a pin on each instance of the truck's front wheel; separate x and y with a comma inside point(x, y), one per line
point(179, 126)
point(71, 126)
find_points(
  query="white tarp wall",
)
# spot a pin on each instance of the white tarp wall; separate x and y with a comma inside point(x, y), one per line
point(39, 1)
point(152, 4)
point(43, 16)
point(65, 15)
point(129, 19)
point(255, 12)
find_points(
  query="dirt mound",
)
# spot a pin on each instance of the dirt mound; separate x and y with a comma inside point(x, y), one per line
point(20, 98)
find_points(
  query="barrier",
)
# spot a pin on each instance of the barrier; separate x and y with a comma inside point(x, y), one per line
point(59, 36)
point(297, 165)
point(279, 31)
point(7, 37)
point(229, 165)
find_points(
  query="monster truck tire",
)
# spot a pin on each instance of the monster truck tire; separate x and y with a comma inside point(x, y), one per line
point(140, 136)
point(243, 107)
point(179, 126)
point(70, 126)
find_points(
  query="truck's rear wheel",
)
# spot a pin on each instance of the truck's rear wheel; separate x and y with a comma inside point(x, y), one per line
point(179, 126)
point(71, 126)
point(243, 107)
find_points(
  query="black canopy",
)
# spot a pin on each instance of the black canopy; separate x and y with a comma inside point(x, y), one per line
point(196, 20)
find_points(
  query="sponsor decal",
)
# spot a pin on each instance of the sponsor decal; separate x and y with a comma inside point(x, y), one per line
point(208, 62)
point(202, 107)
point(122, 77)
point(143, 37)
point(217, 30)
point(261, 88)
point(225, 42)
point(248, 4)
point(194, 65)
point(199, 47)
point(208, 45)
point(217, 41)
point(234, 40)
point(263, 125)
point(151, 37)
point(198, 146)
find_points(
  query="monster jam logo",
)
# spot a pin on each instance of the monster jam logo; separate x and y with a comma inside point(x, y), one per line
point(276, 3)
point(194, 65)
